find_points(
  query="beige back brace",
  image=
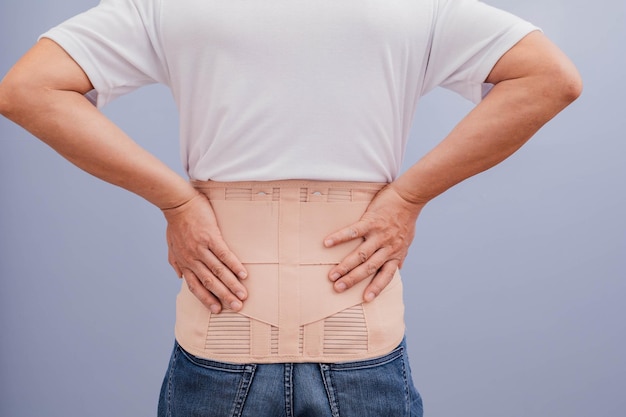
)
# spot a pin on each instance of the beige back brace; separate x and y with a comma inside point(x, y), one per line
point(292, 313)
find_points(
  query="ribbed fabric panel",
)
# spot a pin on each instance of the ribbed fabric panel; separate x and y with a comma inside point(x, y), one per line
point(228, 333)
point(274, 340)
point(336, 195)
point(245, 193)
point(241, 194)
point(248, 194)
point(304, 195)
point(345, 332)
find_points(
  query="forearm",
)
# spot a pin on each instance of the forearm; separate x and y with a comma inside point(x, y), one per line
point(525, 97)
point(43, 93)
point(68, 123)
point(494, 130)
point(521, 102)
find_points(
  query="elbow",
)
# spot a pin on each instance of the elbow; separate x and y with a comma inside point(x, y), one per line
point(563, 85)
point(5, 99)
point(11, 95)
point(571, 86)
point(18, 97)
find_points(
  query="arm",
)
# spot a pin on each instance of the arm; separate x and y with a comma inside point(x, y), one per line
point(44, 92)
point(533, 82)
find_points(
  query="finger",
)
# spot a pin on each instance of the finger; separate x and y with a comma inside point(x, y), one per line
point(201, 293)
point(225, 275)
point(363, 271)
point(223, 253)
point(355, 230)
point(355, 258)
point(172, 261)
point(217, 287)
point(380, 281)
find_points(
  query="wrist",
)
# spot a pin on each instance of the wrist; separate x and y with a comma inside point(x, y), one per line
point(175, 205)
point(408, 195)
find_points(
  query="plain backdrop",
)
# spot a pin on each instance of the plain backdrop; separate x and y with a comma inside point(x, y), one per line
point(515, 284)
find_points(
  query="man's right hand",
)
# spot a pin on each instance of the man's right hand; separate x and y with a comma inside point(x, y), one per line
point(199, 254)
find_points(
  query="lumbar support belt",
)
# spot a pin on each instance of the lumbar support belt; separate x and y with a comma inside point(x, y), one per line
point(292, 313)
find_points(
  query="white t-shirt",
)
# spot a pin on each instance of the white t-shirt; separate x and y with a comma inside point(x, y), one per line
point(291, 89)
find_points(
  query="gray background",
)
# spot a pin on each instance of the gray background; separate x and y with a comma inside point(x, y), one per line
point(514, 287)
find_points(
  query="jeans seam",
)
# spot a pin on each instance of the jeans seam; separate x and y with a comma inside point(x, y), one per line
point(419, 410)
point(330, 390)
point(288, 383)
point(211, 364)
point(407, 395)
point(242, 390)
point(169, 382)
point(368, 363)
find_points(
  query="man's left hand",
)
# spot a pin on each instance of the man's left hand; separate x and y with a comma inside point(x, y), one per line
point(387, 229)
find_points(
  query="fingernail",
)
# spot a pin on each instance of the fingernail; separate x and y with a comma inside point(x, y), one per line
point(328, 242)
point(242, 275)
point(369, 296)
point(340, 286)
point(335, 276)
point(241, 295)
point(214, 308)
point(235, 305)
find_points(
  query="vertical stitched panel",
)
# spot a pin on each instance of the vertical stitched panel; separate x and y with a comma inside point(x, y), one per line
point(274, 340)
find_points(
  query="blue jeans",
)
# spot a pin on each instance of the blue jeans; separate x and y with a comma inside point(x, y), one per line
point(379, 387)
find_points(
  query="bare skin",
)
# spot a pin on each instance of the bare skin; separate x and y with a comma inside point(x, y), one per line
point(44, 91)
point(533, 82)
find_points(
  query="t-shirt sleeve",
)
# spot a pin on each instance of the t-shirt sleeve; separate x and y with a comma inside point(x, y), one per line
point(117, 45)
point(469, 38)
